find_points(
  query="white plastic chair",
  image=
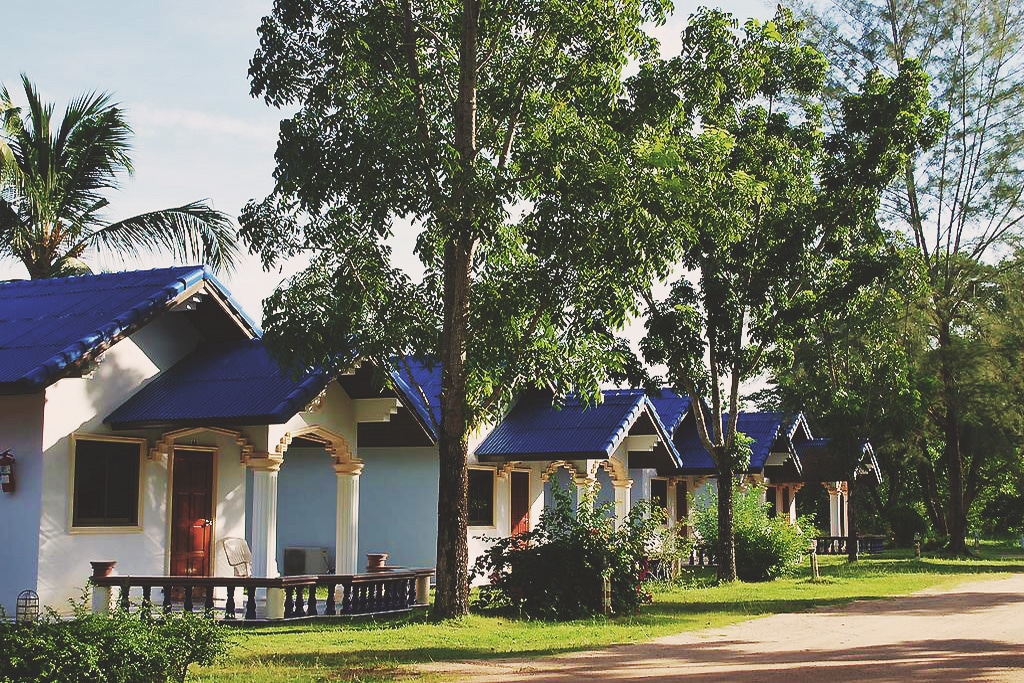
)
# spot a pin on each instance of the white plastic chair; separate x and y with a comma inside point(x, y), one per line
point(239, 556)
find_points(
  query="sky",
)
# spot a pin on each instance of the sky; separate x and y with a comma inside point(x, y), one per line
point(179, 71)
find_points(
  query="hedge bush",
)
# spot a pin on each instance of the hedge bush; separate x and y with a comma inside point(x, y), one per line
point(107, 648)
point(766, 547)
point(556, 570)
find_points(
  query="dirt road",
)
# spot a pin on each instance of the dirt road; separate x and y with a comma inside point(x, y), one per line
point(974, 632)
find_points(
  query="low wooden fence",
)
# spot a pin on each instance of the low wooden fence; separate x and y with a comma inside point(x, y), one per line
point(283, 597)
point(836, 545)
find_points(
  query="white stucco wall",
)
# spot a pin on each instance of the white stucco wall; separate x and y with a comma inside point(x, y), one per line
point(78, 406)
point(398, 505)
point(306, 502)
point(21, 430)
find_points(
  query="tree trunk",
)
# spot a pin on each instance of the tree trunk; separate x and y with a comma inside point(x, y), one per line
point(852, 540)
point(451, 598)
point(726, 558)
point(956, 519)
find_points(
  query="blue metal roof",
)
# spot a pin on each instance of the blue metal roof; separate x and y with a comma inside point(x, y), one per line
point(48, 326)
point(241, 383)
point(764, 428)
point(672, 408)
point(538, 426)
point(221, 384)
point(821, 462)
point(410, 376)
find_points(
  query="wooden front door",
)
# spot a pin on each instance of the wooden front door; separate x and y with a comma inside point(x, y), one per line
point(520, 502)
point(191, 512)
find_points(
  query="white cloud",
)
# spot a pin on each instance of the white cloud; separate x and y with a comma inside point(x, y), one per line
point(195, 122)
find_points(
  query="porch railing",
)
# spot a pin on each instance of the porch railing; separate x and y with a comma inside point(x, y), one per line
point(283, 597)
point(836, 545)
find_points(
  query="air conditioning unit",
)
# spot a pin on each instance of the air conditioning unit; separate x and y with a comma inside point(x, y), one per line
point(305, 560)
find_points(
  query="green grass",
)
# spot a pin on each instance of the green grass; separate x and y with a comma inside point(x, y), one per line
point(382, 650)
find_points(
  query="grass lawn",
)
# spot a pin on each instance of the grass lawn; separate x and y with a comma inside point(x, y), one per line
point(379, 650)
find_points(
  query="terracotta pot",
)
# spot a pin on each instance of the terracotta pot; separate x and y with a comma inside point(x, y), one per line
point(375, 562)
point(103, 568)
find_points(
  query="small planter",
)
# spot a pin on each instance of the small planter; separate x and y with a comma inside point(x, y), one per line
point(103, 568)
point(376, 562)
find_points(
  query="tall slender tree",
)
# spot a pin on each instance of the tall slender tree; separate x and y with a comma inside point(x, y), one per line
point(962, 201)
point(503, 134)
point(53, 178)
point(787, 202)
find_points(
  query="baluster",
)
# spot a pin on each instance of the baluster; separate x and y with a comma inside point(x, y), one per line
point(410, 593)
point(289, 603)
point(300, 602)
point(331, 607)
point(359, 604)
point(346, 597)
point(229, 605)
point(167, 599)
point(125, 588)
point(311, 606)
point(188, 598)
point(147, 603)
point(250, 602)
point(208, 604)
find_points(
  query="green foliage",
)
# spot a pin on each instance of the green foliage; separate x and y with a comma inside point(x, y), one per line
point(906, 522)
point(504, 136)
point(961, 203)
point(53, 177)
point(766, 547)
point(785, 203)
point(114, 648)
point(556, 570)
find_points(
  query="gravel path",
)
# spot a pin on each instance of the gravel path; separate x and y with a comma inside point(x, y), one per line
point(973, 632)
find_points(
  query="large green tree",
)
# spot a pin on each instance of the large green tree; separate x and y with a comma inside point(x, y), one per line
point(53, 178)
point(788, 202)
point(852, 368)
point(503, 135)
point(962, 200)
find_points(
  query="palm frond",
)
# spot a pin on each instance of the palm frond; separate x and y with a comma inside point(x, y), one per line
point(193, 232)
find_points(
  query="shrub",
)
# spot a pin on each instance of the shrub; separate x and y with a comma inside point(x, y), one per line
point(108, 648)
point(766, 547)
point(905, 522)
point(556, 570)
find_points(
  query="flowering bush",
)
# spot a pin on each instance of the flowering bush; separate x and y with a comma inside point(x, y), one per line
point(766, 547)
point(556, 571)
point(108, 648)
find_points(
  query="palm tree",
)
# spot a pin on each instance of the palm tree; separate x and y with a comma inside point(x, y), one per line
point(52, 178)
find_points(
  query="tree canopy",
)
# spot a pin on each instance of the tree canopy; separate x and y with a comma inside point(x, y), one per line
point(960, 201)
point(789, 203)
point(504, 135)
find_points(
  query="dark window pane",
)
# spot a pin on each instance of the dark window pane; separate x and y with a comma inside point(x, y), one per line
point(481, 498)
point(106, 488)
point(659, 493)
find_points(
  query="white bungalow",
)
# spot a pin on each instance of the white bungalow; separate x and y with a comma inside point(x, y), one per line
point(149, 424)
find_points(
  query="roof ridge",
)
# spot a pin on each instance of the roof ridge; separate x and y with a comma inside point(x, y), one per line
point(60, 281)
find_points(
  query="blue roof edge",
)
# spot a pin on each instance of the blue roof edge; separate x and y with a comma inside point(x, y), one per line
point(415, 402)
point(666, 436)
point(49, 370)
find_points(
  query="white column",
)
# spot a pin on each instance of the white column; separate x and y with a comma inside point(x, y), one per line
point(671, 495)
point(264, 515)
point(844, 500)
point(585, 489)
point(346, 526)
point(833, 511)
point(621, 500)
point(503, 501)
